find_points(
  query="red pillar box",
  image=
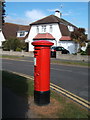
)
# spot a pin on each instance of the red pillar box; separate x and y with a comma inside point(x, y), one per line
point(42, 71)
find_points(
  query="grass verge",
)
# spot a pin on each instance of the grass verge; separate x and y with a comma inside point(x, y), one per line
point(12, 56)
point(70, 109)
point(71, 63)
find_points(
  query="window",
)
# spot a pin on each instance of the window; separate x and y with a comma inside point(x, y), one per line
point(70, 28)
point(44, 28)
point(37, 29)
point(22, 33)
point(50, 28)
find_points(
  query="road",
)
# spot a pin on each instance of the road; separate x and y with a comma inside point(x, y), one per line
point(74, 79)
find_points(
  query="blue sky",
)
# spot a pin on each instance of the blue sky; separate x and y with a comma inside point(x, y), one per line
point(27, 12)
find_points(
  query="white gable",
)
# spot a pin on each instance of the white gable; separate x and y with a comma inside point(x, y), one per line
point(1, 38)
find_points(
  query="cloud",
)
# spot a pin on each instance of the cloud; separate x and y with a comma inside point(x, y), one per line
point(28, 17)
point(67, 14)
point(17, 20)
point(34, 14)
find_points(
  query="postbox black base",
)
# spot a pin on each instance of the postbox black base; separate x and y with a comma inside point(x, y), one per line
point(42, 97)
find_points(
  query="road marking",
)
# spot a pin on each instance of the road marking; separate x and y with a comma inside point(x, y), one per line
point(67, 70)
point(61, 70)
point(51, 68)
point(70, 95)
point(75, 99)
point(33, 61)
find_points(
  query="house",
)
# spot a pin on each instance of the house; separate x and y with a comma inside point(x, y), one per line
point(55, 29)
point(15, 30)
point(2, 38)
point(52, 28)
point(11, 30)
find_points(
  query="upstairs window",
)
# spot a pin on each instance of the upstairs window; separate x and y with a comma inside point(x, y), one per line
point(70, 28)
point(22, 33)
point(37, 29)
point(51, 28)
point(44, 28)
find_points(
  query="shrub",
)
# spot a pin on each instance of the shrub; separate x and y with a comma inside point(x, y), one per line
point(13, 44)
point(83, 53)
point(18, 49)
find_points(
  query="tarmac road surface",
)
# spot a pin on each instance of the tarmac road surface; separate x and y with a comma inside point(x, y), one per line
point(73, 79)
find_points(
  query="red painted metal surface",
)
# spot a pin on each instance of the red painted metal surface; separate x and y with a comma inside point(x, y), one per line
point(42, 65)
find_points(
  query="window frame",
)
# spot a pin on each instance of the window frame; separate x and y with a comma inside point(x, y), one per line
point(22, 33)
point(51, 28)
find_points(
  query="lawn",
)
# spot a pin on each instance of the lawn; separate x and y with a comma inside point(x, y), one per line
point(60, 106)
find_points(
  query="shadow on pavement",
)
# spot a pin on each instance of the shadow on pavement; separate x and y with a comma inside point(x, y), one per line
point(14, 96)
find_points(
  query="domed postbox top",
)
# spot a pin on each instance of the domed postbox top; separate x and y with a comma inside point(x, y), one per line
point(42, 43)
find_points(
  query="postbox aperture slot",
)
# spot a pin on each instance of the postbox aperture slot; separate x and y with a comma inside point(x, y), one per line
point(36, 52)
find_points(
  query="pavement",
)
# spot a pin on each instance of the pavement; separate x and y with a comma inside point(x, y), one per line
point(14, 106)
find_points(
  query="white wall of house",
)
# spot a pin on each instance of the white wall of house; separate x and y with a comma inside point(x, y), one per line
point(44, 28)
point(70, 46)
point(54, 30)
point(32, 34)
point(1, 38)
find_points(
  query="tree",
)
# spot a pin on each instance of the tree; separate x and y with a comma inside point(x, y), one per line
point(13, 44)
point(79, 36)
point(2, 12)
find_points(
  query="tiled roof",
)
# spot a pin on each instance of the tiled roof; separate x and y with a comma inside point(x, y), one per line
point(52, 19)
point(10, 30)
point(23, 27)
point(64, 38)
point(64, 30)
point(46, 36)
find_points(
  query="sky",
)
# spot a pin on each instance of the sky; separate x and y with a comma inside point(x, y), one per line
point(27, 12)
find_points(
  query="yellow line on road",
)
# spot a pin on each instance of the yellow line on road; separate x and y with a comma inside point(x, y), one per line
point(75, 99)
point(61, 90)
point(70, 93)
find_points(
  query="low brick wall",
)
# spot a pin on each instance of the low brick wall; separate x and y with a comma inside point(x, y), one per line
point(28, 54)
point(58, 55)
point(77, 57)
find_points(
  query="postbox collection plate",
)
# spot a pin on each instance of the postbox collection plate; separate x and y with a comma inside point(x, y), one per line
point(34, 61)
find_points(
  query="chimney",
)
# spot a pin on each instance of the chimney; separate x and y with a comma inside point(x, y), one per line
point(57, 13)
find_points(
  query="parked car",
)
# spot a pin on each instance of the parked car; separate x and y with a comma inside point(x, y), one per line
point(58, 48)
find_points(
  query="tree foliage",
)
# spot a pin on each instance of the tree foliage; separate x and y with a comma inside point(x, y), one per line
point(13, 44)
point(79, 36)
point(3, 5)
